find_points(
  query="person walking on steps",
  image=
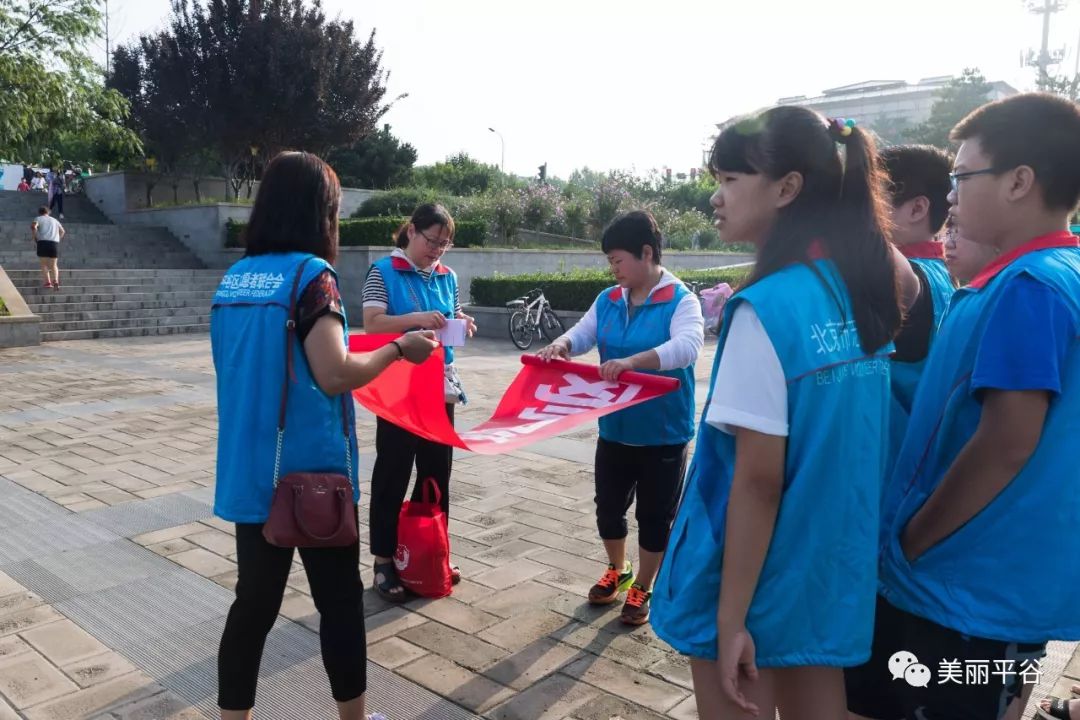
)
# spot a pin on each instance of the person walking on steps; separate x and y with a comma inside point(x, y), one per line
point(46, 233)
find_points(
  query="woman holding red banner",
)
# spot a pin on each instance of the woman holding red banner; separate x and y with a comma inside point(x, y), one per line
point(285, 288)
point(408, 290)
point(648, 322)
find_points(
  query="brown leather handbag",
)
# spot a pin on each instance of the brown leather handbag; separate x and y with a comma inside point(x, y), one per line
point(309, 509)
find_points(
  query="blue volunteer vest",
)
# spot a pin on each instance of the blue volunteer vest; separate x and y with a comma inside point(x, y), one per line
point(247, 339)
point(989, 579)
point(666, 420)
point(905, 375)
point(408, 292)
point(814, 603)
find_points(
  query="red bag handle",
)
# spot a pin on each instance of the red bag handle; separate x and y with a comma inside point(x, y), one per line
point(431, 487)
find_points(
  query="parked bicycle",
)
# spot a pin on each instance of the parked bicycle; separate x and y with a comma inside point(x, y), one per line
point(532, 314)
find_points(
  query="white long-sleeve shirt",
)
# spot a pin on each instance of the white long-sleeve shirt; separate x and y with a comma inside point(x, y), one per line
point(687, 330)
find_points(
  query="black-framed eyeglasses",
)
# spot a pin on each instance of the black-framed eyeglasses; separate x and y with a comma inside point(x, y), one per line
point(435, 244)
point(956, 177)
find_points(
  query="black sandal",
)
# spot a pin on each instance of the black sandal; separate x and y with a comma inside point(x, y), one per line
point(455, 574)
point(389, 587)
point(1058, 709)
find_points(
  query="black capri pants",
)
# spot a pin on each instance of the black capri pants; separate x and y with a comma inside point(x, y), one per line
point(652, 473)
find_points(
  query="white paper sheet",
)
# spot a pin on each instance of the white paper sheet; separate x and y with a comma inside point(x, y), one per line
point(453, 335)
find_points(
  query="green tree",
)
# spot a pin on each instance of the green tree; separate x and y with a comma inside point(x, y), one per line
point(52, 91)
point(1063, 85)
point(462, 175)
point(379, 161)
point(954, 102)
point(241, 80)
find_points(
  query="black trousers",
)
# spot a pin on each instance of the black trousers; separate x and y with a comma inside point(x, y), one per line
point(654, 474)
point(57, 203)
point(396, 451)
point(334, 576)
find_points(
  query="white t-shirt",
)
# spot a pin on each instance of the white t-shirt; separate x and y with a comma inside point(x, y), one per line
point(48, 228)
point(750, 390)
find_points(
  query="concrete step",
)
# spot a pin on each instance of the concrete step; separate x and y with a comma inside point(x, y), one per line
point(87, 277)
point(141, 331)
point(62, 296)
point(77, 208)
point(74, 227)
point(142, 314)
point(118, 305)
point(118, 324)
point(168, 261)
point(30, 294)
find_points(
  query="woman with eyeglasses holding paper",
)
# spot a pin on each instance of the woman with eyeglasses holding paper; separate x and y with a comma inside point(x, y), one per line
point(408, 290)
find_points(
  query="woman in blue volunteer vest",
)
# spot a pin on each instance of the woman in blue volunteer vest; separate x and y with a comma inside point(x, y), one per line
point(410, 289)
point(769, 580)
point(648, 322)
point(291, 241)
point(988, 464)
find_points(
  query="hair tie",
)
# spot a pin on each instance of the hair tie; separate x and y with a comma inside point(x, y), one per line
point(841, 129)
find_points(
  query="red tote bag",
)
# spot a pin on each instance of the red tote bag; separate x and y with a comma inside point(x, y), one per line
point(423, 552)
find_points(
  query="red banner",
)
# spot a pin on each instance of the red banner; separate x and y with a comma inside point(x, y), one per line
point(544, 400)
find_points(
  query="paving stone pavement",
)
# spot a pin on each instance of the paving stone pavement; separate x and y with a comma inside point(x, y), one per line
point(115, 577)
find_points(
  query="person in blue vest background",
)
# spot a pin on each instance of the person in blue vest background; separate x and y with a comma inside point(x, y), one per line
point(291, 239)
point(770, 575)
point(918, 190)
point(988, 463)
point(410, 289)
point(648, 322)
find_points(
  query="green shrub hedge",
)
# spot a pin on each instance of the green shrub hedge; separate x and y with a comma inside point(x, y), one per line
point(375, 232)
point(576, 290)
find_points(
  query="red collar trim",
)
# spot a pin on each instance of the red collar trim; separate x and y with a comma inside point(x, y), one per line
point(403, 265)
point(663, 295)
point(927, 250)
point(1060, 239)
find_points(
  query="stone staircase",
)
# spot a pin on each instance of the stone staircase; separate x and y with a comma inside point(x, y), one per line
point(116, 280)
point(77, 209)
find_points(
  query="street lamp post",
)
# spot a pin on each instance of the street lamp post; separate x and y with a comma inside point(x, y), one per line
point(502, 143)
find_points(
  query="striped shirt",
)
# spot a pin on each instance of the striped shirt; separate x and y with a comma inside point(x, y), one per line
point(375, 287)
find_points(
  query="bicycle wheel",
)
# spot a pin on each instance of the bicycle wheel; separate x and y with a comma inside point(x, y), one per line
point(550, 325)
point(521, 332)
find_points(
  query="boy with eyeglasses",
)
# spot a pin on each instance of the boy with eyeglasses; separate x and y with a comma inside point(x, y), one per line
point(980, 554)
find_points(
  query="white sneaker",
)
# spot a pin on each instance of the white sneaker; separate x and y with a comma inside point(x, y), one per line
point(61, 216)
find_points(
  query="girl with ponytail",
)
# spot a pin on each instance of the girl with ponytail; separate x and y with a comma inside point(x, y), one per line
point(769, 583)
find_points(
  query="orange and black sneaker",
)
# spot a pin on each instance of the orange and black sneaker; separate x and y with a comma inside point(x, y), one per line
point(635, 611)
point(613, 582)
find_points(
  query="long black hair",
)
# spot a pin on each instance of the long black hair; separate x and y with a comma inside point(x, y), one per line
point(296, 208)
point(842, 203)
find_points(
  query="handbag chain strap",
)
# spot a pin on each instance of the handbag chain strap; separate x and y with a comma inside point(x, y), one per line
point(290, 333)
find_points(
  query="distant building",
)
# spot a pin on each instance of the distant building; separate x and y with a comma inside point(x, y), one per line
point(884, 105)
